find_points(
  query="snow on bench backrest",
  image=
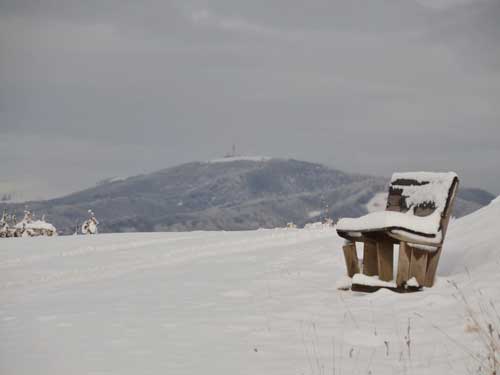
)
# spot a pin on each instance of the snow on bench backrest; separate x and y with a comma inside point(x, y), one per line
point(421, 193)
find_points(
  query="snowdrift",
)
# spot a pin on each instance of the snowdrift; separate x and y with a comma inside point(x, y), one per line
point(473, 240)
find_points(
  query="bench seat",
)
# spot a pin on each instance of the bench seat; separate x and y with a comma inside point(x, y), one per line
point(423, 230)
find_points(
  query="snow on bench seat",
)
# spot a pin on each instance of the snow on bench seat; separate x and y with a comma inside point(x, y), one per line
point(425, 229)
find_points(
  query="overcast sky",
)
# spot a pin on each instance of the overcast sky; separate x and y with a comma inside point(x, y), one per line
point(100, 88)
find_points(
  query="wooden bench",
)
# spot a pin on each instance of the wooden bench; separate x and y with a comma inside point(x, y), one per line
point(416, 218)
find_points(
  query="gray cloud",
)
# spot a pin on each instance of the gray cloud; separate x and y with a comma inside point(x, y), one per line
point(95, 89)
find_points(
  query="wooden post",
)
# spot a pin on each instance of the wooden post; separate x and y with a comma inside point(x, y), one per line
point(403, 264)
point(418, 265)
point(385, 257)
point(351, 258)
point(370, 259)
point(432, 264)
point(433, 257)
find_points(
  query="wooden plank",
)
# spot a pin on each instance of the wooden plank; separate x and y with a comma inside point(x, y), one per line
point(433, 257)
point(393, 202)
point(385, 258)
point(418, 265)
point(446, 219)
point(403, 264)
point(432, 265)
point(351, 258)
point(370, 259)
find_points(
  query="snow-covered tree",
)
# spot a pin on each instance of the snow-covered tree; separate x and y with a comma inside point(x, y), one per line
point(21, 228)
point(28, 216)
point(4, 225)
point(90, 225)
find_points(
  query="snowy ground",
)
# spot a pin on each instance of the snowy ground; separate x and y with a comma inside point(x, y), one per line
point(261, 302)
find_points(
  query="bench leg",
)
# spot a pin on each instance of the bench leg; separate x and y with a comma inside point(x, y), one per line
point(370, 259)
point(432, 264)
point(418, 265)
point(351, 258)
point(403, 264)
point(385, 257)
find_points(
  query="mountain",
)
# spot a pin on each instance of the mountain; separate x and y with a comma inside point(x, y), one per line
point(224, 194)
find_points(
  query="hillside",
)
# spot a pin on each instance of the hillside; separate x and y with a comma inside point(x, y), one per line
point(254, 302)
point(224, 194)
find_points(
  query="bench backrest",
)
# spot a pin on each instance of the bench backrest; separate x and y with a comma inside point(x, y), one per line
point(423, 193)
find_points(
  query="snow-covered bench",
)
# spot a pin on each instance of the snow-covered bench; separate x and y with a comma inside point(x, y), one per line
point(418, 210)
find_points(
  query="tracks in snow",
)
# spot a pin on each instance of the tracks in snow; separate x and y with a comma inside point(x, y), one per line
point(117, 258)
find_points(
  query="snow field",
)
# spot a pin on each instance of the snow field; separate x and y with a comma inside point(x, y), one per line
point(260, 302)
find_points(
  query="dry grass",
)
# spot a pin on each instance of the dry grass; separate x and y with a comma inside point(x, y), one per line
point(483, 321)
